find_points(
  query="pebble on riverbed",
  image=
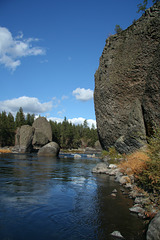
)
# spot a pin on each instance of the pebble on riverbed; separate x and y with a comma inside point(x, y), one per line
point(117, 235)
point(114, 191)
point(113, 195)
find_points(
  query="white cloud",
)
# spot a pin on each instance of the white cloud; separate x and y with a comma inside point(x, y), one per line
point(83, 94)
point(12, 49)
point(29, 105)
point(64, 97)
point(56, 102)
point(55, 119)
point(75, 121)
point(81, 120)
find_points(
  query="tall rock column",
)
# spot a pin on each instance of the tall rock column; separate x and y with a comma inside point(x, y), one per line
point(127, 84)
point(42, 134)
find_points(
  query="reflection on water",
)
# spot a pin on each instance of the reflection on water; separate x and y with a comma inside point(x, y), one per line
point(59, 198)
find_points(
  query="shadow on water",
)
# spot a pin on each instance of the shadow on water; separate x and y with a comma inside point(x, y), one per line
point(59, 198)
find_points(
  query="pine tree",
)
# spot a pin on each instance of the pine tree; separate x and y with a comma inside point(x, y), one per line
point(118, 29)
point(20, 118)
point(11, 130)
point(3, 129)
point(30, 119)
point(142, 6)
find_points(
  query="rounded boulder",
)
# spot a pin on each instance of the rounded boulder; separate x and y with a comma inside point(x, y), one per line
point(51, 150)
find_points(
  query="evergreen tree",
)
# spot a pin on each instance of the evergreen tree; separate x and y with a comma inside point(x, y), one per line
point(11, 130)
point(3, 128)
point(68, 135)
point(142, 6)
point(20, 118)
point(30, 119)
point(85, 124)
point(7, 129)
point(118, 29)
point(55, 131)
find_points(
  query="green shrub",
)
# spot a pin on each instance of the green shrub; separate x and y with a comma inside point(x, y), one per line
point(118, 29)
point(112, 155)
point(150, 176)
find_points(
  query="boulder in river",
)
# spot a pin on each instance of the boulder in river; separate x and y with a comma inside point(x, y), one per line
point(30, 139)
point(51, 150)
point(77, 156)
point(23, 139)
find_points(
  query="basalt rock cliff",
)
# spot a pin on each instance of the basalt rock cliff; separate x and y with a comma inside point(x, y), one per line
point(127, 84)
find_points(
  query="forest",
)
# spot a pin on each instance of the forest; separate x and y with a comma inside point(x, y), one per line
point(66, 134)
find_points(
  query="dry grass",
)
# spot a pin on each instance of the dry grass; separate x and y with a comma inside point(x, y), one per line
point(5, 151)
point(134, 163)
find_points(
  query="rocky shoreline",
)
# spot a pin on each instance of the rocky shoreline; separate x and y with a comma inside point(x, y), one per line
point(145, 204)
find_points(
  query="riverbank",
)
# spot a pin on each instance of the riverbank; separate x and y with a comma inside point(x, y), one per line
point(5, 150)
point(146, 205)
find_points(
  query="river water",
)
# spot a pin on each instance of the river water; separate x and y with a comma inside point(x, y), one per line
point(60, 199)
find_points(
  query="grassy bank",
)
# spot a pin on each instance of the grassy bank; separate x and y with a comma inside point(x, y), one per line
point(5, 151)
point(143, 164)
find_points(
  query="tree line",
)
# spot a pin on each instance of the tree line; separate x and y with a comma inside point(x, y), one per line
point(9, 124)
point(66, 134)
point(69, 136)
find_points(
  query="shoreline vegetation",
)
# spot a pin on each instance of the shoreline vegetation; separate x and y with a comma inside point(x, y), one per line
point(130, 172)
point(3, 150)
point(143, 164)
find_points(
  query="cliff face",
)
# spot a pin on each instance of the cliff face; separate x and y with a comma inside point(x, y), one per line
point(127, 84)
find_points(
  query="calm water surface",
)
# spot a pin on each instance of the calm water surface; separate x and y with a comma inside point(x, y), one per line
point(59, 198)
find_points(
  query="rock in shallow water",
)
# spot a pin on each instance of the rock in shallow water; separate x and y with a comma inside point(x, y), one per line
point(51, 149)
point(76, 156)
point(137, 209)
point(100, 168)
point(117, 235)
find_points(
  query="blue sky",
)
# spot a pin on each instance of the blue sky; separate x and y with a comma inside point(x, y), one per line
point(50, 50)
